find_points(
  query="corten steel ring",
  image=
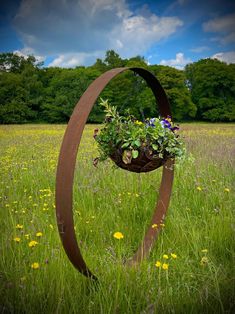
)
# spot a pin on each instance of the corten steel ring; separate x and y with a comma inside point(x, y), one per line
point(66, 168)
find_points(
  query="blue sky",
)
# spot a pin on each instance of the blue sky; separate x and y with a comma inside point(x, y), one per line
point(70, 33)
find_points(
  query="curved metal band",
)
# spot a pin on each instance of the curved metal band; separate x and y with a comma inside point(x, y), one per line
point(67, 161)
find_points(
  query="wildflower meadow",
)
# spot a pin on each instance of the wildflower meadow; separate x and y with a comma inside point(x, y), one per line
point(191, 266)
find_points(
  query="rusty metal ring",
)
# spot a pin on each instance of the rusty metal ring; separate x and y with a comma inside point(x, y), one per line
point(67, 161)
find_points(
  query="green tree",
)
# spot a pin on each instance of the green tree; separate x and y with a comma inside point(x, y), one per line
point(63, 92)
point(174, 83)
point(11, 62)
point(113, 60)
point(13, 108)
point(212, 85)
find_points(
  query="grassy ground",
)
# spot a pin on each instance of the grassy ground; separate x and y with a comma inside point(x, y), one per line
point(199, 228)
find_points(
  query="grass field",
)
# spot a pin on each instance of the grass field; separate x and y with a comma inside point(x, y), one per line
point(198, 237)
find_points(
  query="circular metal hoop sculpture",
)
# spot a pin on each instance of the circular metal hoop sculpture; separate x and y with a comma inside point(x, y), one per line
point(67, 161)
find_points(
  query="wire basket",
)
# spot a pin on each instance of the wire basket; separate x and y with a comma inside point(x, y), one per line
point(145, 162)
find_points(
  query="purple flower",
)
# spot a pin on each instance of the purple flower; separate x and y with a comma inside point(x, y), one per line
point(166, 124)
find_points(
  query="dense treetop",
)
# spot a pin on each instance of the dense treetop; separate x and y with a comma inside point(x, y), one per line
point(29, 92)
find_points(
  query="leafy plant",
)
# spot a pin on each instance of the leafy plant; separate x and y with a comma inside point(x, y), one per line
point(156, 136)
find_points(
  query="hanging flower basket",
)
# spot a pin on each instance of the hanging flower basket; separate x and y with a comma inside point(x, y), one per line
point(134, 145)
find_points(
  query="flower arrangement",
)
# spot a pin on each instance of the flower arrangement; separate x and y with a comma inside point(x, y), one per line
point(134, 145)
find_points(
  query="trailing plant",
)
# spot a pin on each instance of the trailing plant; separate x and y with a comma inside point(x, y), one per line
point(156, 136)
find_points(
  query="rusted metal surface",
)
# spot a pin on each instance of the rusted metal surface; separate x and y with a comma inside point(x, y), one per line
point(67, 161)
point(143, 163)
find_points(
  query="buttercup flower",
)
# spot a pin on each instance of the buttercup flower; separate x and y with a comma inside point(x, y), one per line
point(118, 235)
point(38, 234)
point(158, 264)
point(18, 226)
point(17, 239)
point(165, 266)
point(35, 265)
point(199, 188)
point(204, 261)
point(165, 256)
point(33, 243)
point(173, 255)
point(226, 190)
point(154, 226)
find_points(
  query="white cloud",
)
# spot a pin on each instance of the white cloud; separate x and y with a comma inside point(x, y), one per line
point(200, 49)
point(223, 26)
point(228, 57)
point(69, 27)
point(138, 33)
point(179, 62)
point(70, 60)
point(25, 52)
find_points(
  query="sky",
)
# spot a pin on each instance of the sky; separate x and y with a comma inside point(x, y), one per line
point(70, 33)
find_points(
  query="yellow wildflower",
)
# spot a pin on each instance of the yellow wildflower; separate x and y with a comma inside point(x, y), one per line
point(18, 226)
point(154, 226)
point(118, 235)
point(51, 226)
point(162, 225)
point(158, 264)
point(173, 255)
point(38, 234)
point(35, 265)
point(138, 122)
point(226, 190)
point(204, 261)
point(17, 239)
point(165, 256)
point(165, 266)
point(199, 188)
point(33, 243)
point(204, 251)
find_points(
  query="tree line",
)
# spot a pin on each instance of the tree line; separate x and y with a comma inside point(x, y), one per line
point(29, 92)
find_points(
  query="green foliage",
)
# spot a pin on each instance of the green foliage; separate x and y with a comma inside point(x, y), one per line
point(173, 82)
point(212, 85)
point(205, 90)
point(11, 62)
point(106, 201)
point(154, 136)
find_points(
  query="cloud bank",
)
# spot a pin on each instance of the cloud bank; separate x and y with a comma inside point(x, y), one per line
point(224, 27)
point(179, 62)
point(228, 57)
point(78, 31)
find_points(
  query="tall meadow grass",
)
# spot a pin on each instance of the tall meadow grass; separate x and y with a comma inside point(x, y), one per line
point(196, 243)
